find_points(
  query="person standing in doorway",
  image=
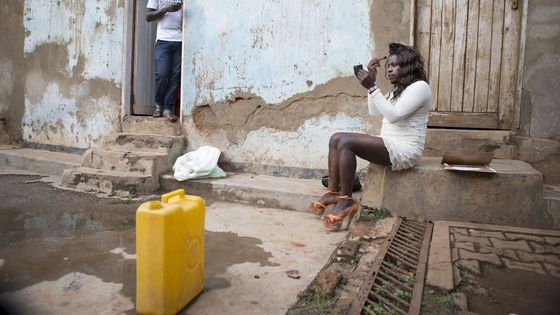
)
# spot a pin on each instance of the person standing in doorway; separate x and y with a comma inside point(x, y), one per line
point(169, 17)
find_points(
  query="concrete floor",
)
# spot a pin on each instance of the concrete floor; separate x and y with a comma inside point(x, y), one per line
point(66, 252)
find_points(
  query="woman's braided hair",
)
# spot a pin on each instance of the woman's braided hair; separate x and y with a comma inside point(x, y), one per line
point(411, 67)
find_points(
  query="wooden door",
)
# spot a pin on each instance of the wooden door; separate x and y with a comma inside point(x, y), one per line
point(143, 86)
point(471, 49)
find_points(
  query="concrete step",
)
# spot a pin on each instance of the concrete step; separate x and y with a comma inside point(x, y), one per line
point(128, 164)
point(40, 161)
point(148, 163)
point(150, 125)
point(144, 142)
point(123, 184)
point(259, 190)
point(512, 196)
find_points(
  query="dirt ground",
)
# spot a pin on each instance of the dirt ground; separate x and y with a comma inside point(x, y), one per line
point(498, 291)
point(50, 223)
point(67, 252)
point(505, 291)
point(33, 210)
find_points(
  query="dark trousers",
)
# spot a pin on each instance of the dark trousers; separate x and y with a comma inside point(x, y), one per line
point(168, 73)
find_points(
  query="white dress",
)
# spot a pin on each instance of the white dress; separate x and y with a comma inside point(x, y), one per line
point(404, 122)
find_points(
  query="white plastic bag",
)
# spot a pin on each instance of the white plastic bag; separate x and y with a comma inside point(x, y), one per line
point(196, 164)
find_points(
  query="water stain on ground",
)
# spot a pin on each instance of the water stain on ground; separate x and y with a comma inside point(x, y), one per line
point(60, 297)
point(50, 258)
point(35, 209)
point(47, 233)
point(225, 249)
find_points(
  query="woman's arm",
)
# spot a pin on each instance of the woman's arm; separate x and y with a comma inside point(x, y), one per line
point(413, 97)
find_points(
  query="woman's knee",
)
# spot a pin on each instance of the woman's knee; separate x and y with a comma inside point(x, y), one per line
point(335, 139)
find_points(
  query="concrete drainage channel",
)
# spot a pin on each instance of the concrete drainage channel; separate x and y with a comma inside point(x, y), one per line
point(400, 263)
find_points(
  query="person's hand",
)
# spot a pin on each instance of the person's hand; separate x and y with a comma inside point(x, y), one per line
point(173, 7)
point(372, 67)
point(365, 78)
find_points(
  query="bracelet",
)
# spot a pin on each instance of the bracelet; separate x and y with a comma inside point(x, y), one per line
point(372, 89)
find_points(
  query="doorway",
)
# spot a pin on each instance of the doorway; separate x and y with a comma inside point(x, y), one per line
point(472, 53)
point(142, 65)
point(139, 67)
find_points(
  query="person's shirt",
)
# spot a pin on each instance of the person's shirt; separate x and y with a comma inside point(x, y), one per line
point(407, 115)
point(170, 26)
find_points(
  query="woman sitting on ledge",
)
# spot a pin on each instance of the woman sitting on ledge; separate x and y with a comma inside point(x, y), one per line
point(401, 142)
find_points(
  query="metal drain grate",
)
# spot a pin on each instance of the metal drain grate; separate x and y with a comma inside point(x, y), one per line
point(396, 279)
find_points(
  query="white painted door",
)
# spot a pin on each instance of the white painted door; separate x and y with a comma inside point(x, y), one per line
point(143, 87)
point(471, 49)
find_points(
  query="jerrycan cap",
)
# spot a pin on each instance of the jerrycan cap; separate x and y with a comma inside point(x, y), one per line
point(155, 205)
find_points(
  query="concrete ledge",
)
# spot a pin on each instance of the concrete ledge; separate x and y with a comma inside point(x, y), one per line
point(513, 196)
point(150, 125)
point(258, 190)
point(144, 142)
point(148, 163)
point(440, 269)
point(123, 184)
point(40, 161)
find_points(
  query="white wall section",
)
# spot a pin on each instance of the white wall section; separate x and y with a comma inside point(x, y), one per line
point(273, 49)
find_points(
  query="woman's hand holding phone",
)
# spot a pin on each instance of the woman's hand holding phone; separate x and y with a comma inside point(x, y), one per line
point(365, 79)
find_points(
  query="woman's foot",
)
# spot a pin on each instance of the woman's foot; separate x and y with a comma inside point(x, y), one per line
point(345, 207)
point(329, 198)
point(341, 205)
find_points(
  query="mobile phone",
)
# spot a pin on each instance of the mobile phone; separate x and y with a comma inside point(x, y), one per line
point(357, 68)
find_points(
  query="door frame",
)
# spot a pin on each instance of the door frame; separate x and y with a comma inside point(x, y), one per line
point(516, 108)
point(128, 60)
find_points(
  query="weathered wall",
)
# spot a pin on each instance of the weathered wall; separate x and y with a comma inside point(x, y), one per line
point(268, 82)
point(11, 67)
point(73, 59)
point(539, 141)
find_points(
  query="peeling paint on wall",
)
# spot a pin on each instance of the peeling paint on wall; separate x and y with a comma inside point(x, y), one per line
point(90, 29)
point(539, 106)
point(294, 133)
point(273, 49)
point(65, 122)
point(73, 53)
point(11, 69)
point(306, 147)
point(269, 82)
point(6, 84)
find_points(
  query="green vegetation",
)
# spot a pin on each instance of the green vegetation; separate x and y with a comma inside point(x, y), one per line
point(402, 294)
point(316, 302)
point(373, 214)
point(445, 300)
point(410, 279)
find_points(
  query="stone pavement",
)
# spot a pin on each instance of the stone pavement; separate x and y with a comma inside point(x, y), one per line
point(468, 245)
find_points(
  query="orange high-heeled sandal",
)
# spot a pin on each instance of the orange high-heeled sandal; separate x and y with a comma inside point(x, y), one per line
point(334, 222)
point(317, 207)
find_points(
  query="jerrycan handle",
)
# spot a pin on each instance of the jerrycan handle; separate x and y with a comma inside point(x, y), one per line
point(176, 193)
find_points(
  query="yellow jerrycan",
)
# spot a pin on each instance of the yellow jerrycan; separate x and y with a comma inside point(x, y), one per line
point(169, 253)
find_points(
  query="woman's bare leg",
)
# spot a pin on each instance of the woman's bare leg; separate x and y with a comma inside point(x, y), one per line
point(334, 178)
point(348, 146)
